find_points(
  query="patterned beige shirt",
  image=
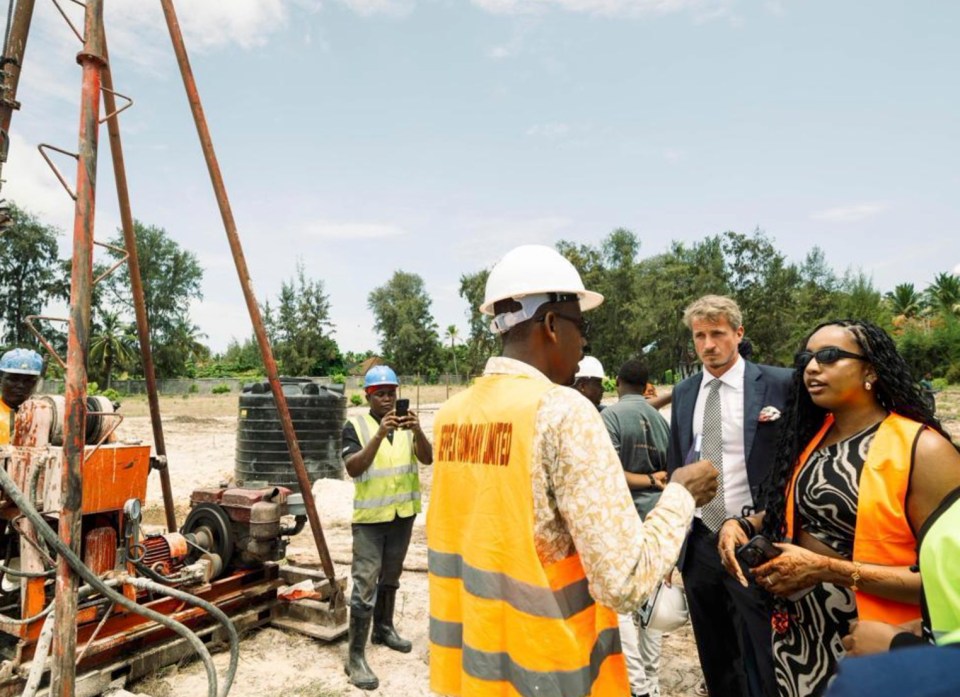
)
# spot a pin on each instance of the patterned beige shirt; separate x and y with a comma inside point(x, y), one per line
point(581, 501)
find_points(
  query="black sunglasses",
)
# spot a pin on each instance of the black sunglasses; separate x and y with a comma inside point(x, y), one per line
point(825, 356)
point(582, 323)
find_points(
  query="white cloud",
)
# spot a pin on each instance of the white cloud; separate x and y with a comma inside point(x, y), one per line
point(393, 8)
point(33, 185)
point(549, 130)
point(701, 9)
point(850, 214)
point(352, 231)
point(672, 155)
point(956, 270)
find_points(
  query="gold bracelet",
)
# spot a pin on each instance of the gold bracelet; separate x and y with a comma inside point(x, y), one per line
point(855, 576)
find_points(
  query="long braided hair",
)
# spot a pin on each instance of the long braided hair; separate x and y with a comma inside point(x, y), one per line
point(896, 389)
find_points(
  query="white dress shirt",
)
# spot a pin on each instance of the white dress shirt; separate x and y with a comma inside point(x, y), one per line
point(736, 486)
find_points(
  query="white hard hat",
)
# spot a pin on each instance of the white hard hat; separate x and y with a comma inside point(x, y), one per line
point(590, 367)
point(533, 274)
point(666, 610)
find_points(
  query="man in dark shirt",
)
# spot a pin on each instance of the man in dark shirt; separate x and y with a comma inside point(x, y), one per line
point(641, 437)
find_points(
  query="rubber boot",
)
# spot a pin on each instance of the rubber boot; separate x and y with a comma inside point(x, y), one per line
point(356, 665)
point(383, 630)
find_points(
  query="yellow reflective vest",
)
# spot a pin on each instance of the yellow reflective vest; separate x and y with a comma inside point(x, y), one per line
point(7, 414)
point(390, 487)
point(502, 623)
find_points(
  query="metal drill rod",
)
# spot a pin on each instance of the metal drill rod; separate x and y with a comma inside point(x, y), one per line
point(91, 58)
point(226, 213)
point(136, 285)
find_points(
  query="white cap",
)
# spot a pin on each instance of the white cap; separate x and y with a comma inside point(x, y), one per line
point(533, 275)
point(669, 609)
point(590, 367)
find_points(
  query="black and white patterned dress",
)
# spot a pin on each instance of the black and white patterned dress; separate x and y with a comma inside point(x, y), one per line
point(827, 490)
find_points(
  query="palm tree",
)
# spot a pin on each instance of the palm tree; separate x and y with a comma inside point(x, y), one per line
point(905, 300)
point(453, 334)
point(944, 293)
point(112, 344)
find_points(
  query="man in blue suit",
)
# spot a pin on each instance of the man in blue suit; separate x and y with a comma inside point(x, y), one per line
point(728, 413)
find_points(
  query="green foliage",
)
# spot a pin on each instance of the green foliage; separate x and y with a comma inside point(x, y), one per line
point(171, 279)
point(338, 379)
point(221, 389)
point(300, 329)
point(356, 400)
point(31, 276)
point(943, 295)
point(481, 343)
point(931, 346)
point(609, 384)
point(408, 332)
point(112, 344)
point(193, 389)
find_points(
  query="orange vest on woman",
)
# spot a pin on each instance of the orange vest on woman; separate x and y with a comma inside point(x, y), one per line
point(501, 622)
point(882, 534)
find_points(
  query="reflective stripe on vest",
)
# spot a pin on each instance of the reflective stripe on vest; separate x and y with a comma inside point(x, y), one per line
point(500, 667)
point(503, 623)
point(882, 534)
point(390, 487)
point(527, 598)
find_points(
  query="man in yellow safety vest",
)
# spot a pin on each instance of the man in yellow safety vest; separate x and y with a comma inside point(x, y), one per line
point(380, 450)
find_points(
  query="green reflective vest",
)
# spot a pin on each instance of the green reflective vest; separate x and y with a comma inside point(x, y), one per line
point(940, 569)
point(390, 487)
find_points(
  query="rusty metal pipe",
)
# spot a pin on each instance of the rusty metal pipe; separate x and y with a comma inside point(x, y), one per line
point(230, 226)
point(91, 58)
point(136, 286)
point(16, 48)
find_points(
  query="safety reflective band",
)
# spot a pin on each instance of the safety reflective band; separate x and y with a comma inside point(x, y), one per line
point(372, 473)
point(492, 585)
point(499, 666)
point(386, 501)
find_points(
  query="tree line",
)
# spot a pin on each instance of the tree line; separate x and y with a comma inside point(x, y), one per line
point(645, 298)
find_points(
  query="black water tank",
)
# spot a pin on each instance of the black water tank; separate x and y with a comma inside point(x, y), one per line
point(318, 416)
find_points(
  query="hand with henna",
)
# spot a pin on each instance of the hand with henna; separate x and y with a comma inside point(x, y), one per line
point(797, 568)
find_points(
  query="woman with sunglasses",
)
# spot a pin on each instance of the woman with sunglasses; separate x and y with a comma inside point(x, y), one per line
point(861, 463)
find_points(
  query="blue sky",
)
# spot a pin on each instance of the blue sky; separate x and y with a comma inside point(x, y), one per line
point(365, 136)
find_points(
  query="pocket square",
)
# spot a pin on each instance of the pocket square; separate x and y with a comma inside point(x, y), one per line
point(769, 414)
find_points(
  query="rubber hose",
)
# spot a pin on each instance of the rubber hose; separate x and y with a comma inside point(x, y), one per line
point(47, 533)
point(210, 608)
point(40, 657)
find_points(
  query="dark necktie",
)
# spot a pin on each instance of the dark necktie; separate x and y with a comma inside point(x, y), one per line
point(715, 511)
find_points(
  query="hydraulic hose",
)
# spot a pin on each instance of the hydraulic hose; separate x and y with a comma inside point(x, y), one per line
point(210, 608)
point(47, 533)
point(39, 656)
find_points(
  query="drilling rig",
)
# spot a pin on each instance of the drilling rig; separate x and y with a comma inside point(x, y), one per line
point(81, 580)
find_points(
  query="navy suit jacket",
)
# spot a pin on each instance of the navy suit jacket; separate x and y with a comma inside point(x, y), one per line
point(763, 386)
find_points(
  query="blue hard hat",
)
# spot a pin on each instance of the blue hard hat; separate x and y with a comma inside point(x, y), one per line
point(380, 375)
point(22, 361)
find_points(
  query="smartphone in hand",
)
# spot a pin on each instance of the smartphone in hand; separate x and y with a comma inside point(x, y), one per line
point(757, 551)
point(402, 407)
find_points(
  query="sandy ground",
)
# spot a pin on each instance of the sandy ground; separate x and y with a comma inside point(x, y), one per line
point(200, 435)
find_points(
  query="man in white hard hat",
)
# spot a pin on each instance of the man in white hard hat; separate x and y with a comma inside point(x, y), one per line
point(589, 380)
point(534, 543)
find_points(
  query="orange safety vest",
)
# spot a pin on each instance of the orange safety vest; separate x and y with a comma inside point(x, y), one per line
point(502, 623)
point(882, 534)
